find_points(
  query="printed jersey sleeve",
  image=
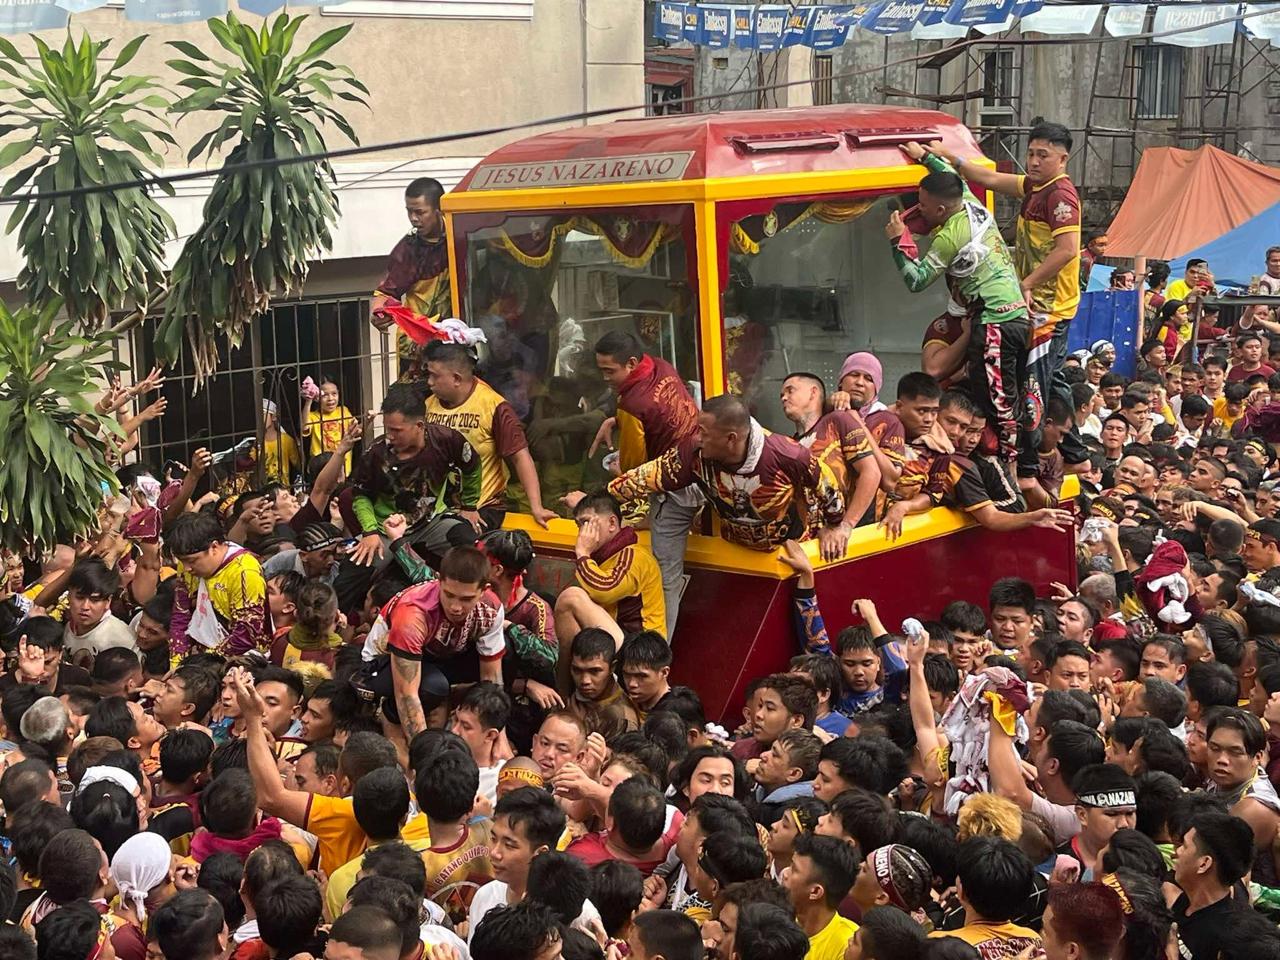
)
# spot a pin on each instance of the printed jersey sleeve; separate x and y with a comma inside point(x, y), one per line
point(944, 472)
point(945, 330)
point(1063, 208)
point(854, 444)
point(920, 272)
point(492, 644)
point(608, 586)
point(809, 622)
point(508, 433)
point(179, 642)
point(671, 471)
point(408, 631)
point(364, 484)
point(399, 268)
point(247, 616)
point(969, 492)
point(411, 562)
point(891, 436)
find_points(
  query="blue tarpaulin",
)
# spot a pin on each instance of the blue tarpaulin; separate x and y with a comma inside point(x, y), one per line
point(1240, 254)
point(1108, 315)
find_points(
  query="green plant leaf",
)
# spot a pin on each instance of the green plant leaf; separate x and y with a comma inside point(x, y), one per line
point(15, 150)
point(200, 100)
point(261, 227)
point(54, 470)
point(324, 42)
point(188, 68)
point(87, 155)
point(129, 51)
point(190, 49)
point(75, 109)
point(19, 179)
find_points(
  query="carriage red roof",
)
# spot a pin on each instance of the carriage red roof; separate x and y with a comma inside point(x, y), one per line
point(730, 144)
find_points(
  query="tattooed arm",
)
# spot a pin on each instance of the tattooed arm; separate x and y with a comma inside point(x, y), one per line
point(406, 675)
point(406, 637)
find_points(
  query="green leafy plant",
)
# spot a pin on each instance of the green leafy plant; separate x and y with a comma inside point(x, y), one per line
point(55, 469)
point(261, 226)
point(97, 252)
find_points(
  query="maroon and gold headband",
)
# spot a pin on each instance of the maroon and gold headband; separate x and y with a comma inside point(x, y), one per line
point(1103, 510)
point(882, 867)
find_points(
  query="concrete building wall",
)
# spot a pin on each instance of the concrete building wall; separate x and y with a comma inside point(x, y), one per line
point(432, 67)
point(1083, 85)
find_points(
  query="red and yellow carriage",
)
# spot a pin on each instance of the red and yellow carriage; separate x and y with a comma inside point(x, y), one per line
point(740, 247)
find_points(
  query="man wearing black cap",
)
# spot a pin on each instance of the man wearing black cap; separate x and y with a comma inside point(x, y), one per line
point(316, 555)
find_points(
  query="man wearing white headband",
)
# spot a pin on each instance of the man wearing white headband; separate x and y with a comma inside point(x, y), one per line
point(1105, 802)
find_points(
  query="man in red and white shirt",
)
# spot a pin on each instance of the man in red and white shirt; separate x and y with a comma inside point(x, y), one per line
point(442, 632)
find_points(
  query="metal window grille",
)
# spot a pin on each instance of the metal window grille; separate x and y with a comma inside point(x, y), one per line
point(998, 78)
point(329, 337)
point(665, 99)
point(822, 93)
point(1159, 79)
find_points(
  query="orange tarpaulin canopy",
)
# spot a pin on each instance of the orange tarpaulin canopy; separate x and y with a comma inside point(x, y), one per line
point(1182, 199)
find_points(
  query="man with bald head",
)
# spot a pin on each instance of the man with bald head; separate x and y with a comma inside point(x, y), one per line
point(1137, 474)
point(764, 486)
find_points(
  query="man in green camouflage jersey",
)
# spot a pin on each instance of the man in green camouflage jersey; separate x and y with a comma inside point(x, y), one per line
point(966, 246)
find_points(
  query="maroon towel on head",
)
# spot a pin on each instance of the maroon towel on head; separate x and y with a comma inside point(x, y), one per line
point(204, 844)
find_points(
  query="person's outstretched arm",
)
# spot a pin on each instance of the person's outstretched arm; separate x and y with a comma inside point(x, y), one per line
point(273, 798)
point(1010, 184)
point(1005, 768)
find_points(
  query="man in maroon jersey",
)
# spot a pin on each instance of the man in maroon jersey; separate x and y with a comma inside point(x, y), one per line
point(650, 390)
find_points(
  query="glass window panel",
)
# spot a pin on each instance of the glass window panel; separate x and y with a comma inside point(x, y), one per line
point(545, 288)
point(815, 292)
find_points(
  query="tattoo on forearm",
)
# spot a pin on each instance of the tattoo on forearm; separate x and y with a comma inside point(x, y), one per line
point(412, 719)
point(408, 669)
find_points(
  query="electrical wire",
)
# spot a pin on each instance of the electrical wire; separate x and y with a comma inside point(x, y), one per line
point(570, 118)
point(337, 189)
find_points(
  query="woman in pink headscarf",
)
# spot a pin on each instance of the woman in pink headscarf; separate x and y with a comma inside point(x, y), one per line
point(861, 378)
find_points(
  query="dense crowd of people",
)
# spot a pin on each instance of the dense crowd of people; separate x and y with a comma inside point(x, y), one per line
point(343, 725)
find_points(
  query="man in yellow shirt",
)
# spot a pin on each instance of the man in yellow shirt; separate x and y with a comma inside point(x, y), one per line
point(994, 881)
point(1195, 279)
point(619, 583)
point(821, 873)
point(462, 401)
point(332, 820)
point(232, 619)
point(381, 807)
